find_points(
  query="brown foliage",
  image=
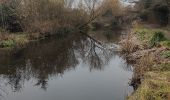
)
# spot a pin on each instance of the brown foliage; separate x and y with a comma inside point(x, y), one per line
point(49, 16)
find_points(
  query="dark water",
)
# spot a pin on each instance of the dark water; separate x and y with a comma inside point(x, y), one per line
point(76, 67)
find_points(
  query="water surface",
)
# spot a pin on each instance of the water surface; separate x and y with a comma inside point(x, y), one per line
point(76, 67)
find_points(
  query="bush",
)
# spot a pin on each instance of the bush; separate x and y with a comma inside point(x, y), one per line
point(49, 16)
point(144, 15)
point(157, 37)
point(9, 18)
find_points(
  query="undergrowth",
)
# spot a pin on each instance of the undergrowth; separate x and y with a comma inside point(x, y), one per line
point(155, 79)
point(155, 86)
point(151, 37)
point(166, 54)
point(8, 39)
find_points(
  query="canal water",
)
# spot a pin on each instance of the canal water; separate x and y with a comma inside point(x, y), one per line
point(73, 67)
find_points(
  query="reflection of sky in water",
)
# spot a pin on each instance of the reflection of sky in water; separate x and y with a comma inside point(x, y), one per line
point(81, 84)
point(72, 69)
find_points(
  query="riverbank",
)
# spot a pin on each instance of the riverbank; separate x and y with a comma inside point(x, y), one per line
point(9, 40)
point(148, 49)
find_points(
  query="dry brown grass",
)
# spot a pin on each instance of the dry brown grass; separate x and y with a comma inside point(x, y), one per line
point(5, 36)
point(145, 63)
point(155, 86)
point(129, 44)
point(151, 69)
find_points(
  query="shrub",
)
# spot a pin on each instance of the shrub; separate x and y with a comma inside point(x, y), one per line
point(9, 18)
point(129, 45)
point(49, 16)
point(144, 15)
point(157, 37)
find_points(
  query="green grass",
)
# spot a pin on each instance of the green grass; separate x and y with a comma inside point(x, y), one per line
point(151, 37)
point(155, 86)
point(166, 54)
point(156, 81)
point(161, 67)
point(144, 35)
point(164, 67)
point(13, 39)
point(7, 43)
point(165, 43)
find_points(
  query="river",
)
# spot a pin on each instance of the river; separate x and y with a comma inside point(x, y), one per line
point(75, 67)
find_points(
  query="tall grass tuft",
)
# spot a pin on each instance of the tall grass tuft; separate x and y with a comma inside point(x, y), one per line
point(157, 37)
point(128, 45)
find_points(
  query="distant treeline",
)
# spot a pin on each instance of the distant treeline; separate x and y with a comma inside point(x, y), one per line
point(52, 16)
point(155, 11)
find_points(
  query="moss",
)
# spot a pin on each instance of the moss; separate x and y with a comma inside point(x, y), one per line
point(155, 86)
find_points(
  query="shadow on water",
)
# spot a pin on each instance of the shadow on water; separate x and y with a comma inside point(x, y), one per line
point(54, 57)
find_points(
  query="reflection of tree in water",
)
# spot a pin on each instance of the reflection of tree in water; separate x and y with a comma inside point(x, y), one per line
point(97, 55)
point(51, 58)
point(127, 66)
point(2, 89)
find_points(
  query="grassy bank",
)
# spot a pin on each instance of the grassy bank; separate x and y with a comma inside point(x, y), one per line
point(10, 40)
point(18, 39)
point(155, 86)
point(149, 50)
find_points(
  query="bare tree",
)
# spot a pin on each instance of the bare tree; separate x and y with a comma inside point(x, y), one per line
point(49, 16)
